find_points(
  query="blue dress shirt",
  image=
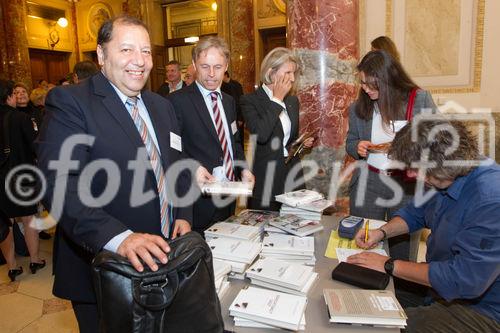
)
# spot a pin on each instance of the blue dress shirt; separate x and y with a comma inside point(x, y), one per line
point(463, 250)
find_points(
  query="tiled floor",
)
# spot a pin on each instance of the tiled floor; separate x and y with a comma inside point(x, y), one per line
point(28, 306)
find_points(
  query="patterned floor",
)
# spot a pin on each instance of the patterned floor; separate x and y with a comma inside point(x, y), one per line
point(27, 305)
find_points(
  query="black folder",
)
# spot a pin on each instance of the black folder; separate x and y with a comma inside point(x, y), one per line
point(360, 276)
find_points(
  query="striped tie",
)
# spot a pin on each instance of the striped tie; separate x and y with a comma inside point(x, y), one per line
point(228, 162)
point(154, 158)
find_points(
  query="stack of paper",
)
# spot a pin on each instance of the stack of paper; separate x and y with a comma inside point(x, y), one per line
point(221, 271)
point(293, 249)
point(255, 306)
point(253, 217)
point(297, 198)
point(308, 211)
point(372, 307)
point(237, 253)
point(283, 276)
point(233, 231)
point(294, 225)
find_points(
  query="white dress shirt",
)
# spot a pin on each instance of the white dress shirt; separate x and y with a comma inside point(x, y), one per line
point(284, 118)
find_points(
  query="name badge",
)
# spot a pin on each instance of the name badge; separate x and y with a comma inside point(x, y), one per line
point(175, 142)
point(234, 128)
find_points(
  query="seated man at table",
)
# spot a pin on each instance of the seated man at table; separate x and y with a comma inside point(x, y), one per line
point(462, 271)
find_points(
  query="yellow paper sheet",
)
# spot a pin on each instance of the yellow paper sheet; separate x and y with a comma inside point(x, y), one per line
point(335, 241)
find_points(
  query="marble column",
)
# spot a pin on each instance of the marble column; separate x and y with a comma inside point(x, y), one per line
point(17, 54)
point(241, 41)
point(324, 34)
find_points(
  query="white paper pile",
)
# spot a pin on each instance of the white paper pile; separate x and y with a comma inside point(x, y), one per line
point(282, 276)
point(238, 253)
point(308, 211)
point(253, 217)
point(295, 225)
point(297, 198)
point(293, 249)
point(233, 231)
point(254, 307)
point(221, 271)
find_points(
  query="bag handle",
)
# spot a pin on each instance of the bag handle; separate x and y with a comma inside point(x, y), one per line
point(155, 293)
point(411, 102)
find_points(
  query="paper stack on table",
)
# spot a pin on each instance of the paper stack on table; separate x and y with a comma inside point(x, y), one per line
point(282, 276)
point(294, 225)
point(297, 198)
point(238, 253)
point(221, 271)
point(373, 307)
point(233, 231)
point(308, 211)
point(293, 249)
point(253, 217)
point(254, 307)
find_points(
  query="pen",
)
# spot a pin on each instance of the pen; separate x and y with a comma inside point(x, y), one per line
point(367, 227)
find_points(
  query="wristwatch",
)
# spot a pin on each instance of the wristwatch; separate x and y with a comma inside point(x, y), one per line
point(389, 266)
point(385, 233)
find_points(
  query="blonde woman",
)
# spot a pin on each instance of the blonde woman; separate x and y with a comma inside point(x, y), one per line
point(272, 114)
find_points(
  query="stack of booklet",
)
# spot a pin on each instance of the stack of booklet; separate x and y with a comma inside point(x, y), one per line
point(238, 253)
point(264, 308)
point(233, 231)
point(221, 271)
point(253, 217)
point(293, 249)
point(308, 211)
point(297, 198)
point(282, 276)
point(364, 307)
point(294, 225)
point(227, 188)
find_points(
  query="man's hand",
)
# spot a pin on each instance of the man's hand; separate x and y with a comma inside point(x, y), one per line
point(145, 247)
point(369, 260)
point(247, 176)
point(181, 227)
point(203, 176)
point(374, 236)
point(363, 148)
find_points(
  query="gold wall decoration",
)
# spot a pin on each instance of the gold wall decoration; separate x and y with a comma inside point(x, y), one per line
point(448, 72)
point(281, 5)
point(97, 15)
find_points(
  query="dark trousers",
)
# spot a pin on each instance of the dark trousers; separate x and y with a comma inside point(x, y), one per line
point(87, 316)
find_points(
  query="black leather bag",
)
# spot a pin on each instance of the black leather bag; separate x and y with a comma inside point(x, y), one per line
point(179, 297)
point(360, 276)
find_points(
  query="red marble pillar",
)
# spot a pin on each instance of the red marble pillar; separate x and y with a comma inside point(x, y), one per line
point(324, 34)
point(241, 41)
point(16, 43)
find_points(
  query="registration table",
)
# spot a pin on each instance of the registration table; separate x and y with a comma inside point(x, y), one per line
point(317, 320)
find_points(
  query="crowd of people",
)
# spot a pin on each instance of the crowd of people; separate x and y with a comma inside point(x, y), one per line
point(115, 118)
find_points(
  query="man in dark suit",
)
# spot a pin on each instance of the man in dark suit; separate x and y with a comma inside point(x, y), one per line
point(173, 80)
point(129, 129)
point(235, 89)
point(207, 119)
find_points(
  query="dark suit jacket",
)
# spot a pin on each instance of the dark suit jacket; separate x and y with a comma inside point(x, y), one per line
point(94, 108)
point(21, 138)
point(262, 119)
point(164, 89)
point(200, 142)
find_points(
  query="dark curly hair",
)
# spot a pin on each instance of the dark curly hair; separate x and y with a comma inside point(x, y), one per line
point(438, 141)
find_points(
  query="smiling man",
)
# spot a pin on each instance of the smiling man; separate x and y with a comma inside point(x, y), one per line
point(207, 118)
point(111, 108)
point(457, 289)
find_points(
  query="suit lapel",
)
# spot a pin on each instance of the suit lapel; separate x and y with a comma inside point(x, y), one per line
point(117, 109)
point(293, 114)
point(162, 135)
point(203, 112)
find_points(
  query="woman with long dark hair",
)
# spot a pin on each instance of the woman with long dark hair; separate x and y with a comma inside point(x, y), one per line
point(383, 107)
